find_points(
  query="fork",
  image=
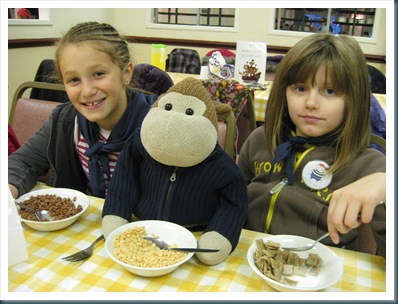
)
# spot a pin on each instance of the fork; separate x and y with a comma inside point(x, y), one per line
point(83, 254)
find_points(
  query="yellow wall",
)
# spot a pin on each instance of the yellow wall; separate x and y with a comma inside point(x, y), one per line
point(253, 24)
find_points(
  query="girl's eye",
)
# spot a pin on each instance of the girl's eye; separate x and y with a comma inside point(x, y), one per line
point(98, 74)
point(72, 80)
point(329, 91)
point(300, 89)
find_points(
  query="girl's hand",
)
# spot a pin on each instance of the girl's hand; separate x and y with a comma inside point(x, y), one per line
point(355, 203)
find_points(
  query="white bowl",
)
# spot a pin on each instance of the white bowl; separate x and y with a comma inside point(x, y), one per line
point(167, 231)
point(81, 199)
point(330, 272)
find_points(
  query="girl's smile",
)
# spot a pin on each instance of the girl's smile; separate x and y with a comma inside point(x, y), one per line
point(93, 104)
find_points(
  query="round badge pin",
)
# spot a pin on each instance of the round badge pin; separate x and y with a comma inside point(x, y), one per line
point(315, 175)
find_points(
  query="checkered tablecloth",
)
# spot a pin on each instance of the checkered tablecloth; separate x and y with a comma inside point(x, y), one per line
point(261, 100)
point(45, 270)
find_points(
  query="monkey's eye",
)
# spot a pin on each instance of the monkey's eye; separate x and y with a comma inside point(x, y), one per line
point(189, 111)
point(168, 106)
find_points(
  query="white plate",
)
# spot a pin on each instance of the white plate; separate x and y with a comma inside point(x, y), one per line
point(331, 269)
point(81, 199)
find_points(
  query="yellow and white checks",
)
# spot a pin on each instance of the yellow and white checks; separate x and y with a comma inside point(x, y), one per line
point(46, 271)
point(261, 100)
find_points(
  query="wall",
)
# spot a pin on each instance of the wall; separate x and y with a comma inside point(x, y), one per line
point(252, 25)
point(23, 63)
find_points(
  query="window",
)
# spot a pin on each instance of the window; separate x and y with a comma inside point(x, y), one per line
point(352, 21)
point(206, 17)
point(23, 13)
point(29, 16)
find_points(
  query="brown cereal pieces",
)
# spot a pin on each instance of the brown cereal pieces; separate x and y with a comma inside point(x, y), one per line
point(59, 207)
point(278, 264)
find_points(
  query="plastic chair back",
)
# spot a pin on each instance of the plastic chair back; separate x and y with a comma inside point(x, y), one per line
point(227, 134)
point(246, 120)
point(27, 115)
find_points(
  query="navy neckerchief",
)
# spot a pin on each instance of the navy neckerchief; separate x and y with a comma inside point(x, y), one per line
point(97, 151)
point(291, 144)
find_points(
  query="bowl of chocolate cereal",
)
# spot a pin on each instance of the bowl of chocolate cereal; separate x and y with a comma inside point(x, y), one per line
point(127, 247)
point(65, 207)
point(287, 270)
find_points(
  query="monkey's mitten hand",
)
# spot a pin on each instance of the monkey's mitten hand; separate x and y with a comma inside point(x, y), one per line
point(110, 223)
point(214, 240)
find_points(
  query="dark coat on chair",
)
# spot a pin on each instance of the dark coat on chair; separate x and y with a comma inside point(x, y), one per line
point(46, 73)
point(377, 80)
point(150, 78)
point(183, 61)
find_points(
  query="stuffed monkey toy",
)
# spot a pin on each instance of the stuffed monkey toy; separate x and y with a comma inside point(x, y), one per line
point(173, 169)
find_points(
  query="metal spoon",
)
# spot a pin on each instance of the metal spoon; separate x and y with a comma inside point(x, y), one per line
point(306, 247)
point(42, 215)
point(164, 246)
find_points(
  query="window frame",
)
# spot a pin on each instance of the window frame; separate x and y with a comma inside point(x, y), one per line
point(150, 24)
point(44, 19)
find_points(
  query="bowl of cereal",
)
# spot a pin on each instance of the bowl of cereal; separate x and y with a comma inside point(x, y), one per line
point(65, 206)
point(286, 270)
point(127, 248)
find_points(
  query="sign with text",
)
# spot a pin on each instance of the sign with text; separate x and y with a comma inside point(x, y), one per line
point(250, 62)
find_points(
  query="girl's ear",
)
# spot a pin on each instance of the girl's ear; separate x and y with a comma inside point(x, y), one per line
point(128, 73)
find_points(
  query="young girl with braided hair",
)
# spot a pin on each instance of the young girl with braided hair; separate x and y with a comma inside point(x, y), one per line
point(81, 140)
point(309, 169)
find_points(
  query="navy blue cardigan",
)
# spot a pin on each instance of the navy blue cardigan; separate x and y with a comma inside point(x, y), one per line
point(210, 196)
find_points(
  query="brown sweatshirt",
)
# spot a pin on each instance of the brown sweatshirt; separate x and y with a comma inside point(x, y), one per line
point(297, 209)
